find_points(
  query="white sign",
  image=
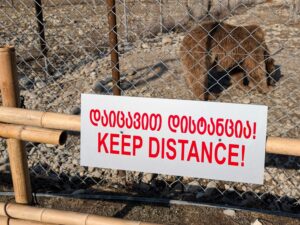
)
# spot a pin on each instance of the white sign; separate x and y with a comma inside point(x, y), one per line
point(175, 137)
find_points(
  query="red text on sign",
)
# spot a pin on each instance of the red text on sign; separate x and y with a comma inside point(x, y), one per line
point(197, 151)
point(119, 144)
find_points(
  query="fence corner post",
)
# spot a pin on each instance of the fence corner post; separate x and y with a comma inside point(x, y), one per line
point(17, 154)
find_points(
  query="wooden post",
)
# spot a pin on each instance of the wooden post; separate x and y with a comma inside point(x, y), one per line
point(16, 151)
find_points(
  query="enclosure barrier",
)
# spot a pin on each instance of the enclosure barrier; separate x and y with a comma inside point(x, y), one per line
point(36, 132)
point(53, 216)
point(275, 145)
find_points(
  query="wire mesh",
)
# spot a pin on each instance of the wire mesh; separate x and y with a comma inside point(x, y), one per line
point(150, 34)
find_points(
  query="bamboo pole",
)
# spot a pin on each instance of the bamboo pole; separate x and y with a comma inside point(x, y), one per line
point(276, 145)
point(33, 134)
point(16, 152)
point(40, 119)
point(283, 146)
point(5, 220)
point(61, 217)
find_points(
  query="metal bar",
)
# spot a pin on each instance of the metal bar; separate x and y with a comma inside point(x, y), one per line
point(113, 44)
point(41, 26)
point(161, 15)
point(125, 20)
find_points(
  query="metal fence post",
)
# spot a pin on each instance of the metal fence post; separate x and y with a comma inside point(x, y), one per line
point(41, 30)
point(113, 43)
point(125, 21)
point(161, 15)
point(16, 151)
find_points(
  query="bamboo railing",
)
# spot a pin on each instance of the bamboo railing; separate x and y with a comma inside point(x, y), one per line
point(52, 216)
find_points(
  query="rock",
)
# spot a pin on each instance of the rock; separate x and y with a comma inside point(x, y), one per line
point(147, 178)
point(227, 187)
point(178, 188)
point(166, 40)
point(282, 177)
point(200, 195)
point(50, 146)
point(144, 187)
point(211, 189)
point(93, 66)
point(229, 212)
point(55, 48)
point(193, 186)
point(93, 75)
point(75, 162)
point(128, 48)
point(4, 167)
point(3, 161)
point(97, 174)
point(268, 177)
point(256, 222)
point(211, 184)
point(145, 46)
point(106, 80)
point(246, 101)
point(80, 32)
point(131, 73)
point(40, 84)
point(75, 110)
point(98, 87)
point(125, 85)
point(91, 169)
point(26, 83)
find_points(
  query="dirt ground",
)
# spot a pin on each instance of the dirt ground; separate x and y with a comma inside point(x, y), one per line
point(165, 214)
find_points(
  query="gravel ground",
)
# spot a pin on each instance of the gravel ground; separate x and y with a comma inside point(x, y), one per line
point(78, 63)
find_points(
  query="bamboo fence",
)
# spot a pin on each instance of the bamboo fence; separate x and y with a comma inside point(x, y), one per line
point(52, 216)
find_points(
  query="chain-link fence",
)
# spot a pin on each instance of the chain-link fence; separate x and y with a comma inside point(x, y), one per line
point(72, 57)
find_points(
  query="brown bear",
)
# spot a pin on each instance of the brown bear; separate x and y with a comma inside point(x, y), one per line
point(213, 51)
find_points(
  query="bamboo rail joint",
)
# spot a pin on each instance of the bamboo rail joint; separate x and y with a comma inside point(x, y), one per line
point(39, 119)
point(9, 221)
point(52, 216)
